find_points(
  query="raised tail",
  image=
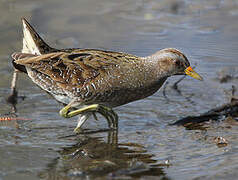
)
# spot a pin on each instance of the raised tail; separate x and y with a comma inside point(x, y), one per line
point(32, 42)
point(33, 45)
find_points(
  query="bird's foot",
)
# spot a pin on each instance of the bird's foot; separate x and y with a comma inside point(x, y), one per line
point(108, 113)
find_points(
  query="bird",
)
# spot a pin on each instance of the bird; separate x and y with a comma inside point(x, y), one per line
point(90, 81)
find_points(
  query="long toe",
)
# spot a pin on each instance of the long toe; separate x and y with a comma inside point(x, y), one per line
point(110, 115)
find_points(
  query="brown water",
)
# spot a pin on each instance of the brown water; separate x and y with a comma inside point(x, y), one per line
point(148, 147)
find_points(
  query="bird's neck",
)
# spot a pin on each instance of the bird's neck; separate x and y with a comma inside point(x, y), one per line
point(156, 68)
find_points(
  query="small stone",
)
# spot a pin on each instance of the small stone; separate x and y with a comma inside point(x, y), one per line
point(220, 141)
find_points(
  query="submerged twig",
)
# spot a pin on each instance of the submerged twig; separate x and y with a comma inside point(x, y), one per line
point(12, 98)
point(175, 85)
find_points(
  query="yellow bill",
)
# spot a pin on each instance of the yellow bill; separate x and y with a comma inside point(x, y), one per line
point(190, 72)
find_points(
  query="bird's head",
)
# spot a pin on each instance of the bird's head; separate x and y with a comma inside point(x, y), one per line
point(173, 62)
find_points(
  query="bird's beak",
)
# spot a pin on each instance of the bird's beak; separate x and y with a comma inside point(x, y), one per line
point(190, 72)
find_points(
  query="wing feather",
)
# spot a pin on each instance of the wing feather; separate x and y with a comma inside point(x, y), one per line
point(75, 68)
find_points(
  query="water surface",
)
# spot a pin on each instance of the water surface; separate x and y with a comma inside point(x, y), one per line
point(148, 147)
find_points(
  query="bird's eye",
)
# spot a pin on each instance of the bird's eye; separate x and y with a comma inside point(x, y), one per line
point(178, 63)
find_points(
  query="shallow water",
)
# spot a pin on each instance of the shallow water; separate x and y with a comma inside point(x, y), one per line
point(44, 147)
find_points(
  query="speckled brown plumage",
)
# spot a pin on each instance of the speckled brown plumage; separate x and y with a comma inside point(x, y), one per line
point(92, 76)
point(81, 77)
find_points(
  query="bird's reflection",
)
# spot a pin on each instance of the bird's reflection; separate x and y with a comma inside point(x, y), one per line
point(93, 157)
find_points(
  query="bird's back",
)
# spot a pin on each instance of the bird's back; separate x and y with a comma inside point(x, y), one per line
point(91, 76)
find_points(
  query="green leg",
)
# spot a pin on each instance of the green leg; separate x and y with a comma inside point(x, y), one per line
point(82, 119)
point(107, 112)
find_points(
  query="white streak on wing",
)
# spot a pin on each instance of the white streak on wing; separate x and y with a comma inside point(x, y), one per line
point(94, 87)
point(29, 45)
point(88, 91)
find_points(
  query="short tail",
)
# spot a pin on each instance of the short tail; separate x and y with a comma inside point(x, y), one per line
point(33, 45)
point(32, 42)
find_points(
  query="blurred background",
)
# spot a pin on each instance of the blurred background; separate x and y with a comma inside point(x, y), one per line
point(148, 147)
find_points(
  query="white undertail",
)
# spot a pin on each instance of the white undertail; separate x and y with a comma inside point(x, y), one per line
point(29, 45)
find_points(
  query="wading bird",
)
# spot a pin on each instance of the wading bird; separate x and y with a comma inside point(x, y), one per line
point(91, 80)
